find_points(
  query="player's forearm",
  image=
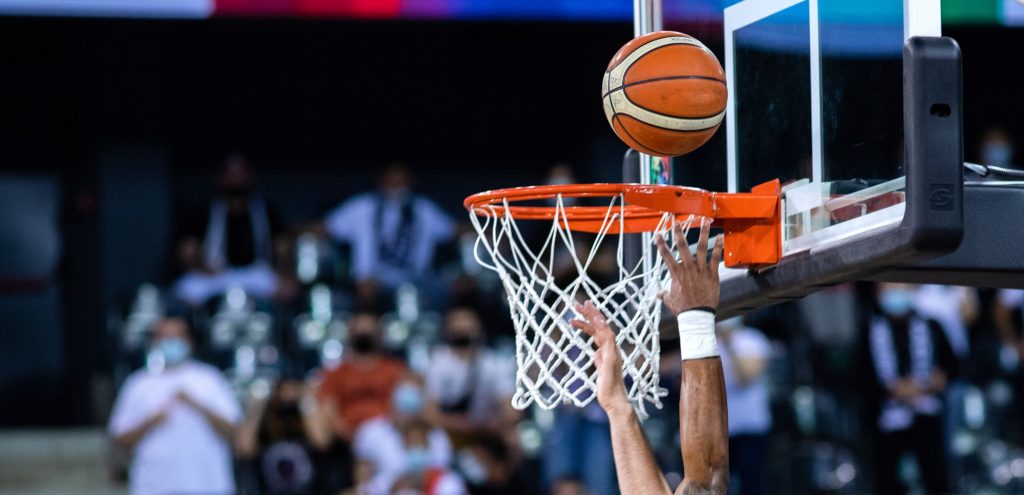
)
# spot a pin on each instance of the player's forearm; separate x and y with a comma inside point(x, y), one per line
point(703, 426)
point(635, 466)
point(703, 419)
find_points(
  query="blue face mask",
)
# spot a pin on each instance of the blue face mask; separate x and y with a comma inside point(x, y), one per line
point(417, 460)
point(998, 154)
point(174, 350)
point(896, 302)
point(407, 399)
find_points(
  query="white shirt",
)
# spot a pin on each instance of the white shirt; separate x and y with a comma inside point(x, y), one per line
point(1010, 298)
point(489, 381)
point(749, 410)
point(354, 221)
point(380, 443)
point(184, 454)
point(942, 303)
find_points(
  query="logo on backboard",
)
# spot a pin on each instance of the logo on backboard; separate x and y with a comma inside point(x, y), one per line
point(941, 197)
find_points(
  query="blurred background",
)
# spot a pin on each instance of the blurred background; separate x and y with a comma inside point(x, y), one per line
point(278, 184)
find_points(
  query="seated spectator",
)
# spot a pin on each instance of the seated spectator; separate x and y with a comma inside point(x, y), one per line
point(360, 387)
point(407, 454)
point(393, 234)
point(178, 418)
point(744, 352)
point(231, 244)
point(911, 363)
point(283, 436)
point(469, 388)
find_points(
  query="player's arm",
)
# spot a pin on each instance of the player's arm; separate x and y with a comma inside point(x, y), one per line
point(703, 426)
point(703, 420)
point(635, 466)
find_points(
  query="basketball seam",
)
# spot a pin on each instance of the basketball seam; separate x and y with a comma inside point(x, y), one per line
point(641, 51)
point(625, 72)
point(626, 95)
point(636, 141)
point(659, 79)
point(652, 40)
point(615, 117)
point(667, 128)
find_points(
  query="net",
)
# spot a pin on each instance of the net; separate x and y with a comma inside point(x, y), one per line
point(555, 360)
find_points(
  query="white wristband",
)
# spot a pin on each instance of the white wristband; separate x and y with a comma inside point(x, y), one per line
point(697, 334)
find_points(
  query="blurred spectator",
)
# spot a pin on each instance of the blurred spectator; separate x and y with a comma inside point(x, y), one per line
point(231, 244)
point(997, 148)
point(568, 486)
point(1007, 318)
point(1009, 321)
point(954, 308)
point(911, 363)
point(282, 436)
point(393, 234)
point(469, 387)
point(407, 455)
point(360, 387)
point(491, 468)
point(745, 352)
point(178, 417)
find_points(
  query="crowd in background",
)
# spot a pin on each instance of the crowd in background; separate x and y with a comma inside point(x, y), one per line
point(367, 353)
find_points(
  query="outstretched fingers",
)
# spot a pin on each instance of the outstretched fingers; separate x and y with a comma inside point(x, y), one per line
point(593, 323)
point(666, 255)
point(702, 245)
point(685, 259)
point(716, 255)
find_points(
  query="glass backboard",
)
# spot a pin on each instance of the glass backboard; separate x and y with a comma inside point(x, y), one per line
point(815, 100)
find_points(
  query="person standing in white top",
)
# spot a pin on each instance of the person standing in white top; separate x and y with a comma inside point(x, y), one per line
point(469, 388)
point(745, 352)
point(393, 234)
point(177, 417)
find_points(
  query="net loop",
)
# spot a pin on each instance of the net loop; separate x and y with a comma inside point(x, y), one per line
point(554, 360)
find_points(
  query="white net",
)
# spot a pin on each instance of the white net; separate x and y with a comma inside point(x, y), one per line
point(562, 267)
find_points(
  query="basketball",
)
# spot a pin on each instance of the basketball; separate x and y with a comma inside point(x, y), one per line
point(664, 93)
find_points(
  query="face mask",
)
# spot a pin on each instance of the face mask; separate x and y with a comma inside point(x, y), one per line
point(461, 341)
point(175, 350)
point(407, 399)
point(896, 302)
point(472, 469)
point(287, 409)
point(998, 154)
point(364, 344)
point(417, 460)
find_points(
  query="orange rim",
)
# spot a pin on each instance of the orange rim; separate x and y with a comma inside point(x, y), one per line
point(751, 222)
point(644, 208)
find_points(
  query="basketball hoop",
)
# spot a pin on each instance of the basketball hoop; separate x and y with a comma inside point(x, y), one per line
point(554, 360)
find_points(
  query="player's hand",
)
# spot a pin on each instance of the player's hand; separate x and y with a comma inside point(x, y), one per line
point(694, 279)
point(611, 390)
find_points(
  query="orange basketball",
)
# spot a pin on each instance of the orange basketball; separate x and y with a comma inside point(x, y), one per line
point(664, 93)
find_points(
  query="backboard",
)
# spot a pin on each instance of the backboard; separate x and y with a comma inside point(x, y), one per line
point(855, 107)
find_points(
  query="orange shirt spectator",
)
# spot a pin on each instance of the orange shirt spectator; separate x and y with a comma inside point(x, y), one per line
point(362, 390)
point(361, 386)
